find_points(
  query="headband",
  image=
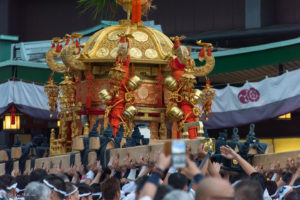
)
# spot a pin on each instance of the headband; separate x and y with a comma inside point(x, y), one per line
point(296, 186)
point(13, 186)
point(20, 190)
point(54, 188)
point(75, 190)
point(97, 194)
point(84, 194)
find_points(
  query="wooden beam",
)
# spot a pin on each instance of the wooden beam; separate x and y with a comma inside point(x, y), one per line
point(268, 159)
point(151, 150)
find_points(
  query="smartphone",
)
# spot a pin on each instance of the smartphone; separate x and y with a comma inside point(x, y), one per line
point(178, 153)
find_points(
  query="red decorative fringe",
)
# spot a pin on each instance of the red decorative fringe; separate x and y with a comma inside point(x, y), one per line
point(67, 42)
point(53, 45)
point(209, 52)
point(201, 53)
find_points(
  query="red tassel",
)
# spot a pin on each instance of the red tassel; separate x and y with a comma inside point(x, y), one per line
point(53, 45)
point(57, 48)
point(136, 11)
point(133, 12)
point(67, 42)
point(201, 53)
point(208, 82)
point(13, 114)
point(209, 52)
point(139, 11)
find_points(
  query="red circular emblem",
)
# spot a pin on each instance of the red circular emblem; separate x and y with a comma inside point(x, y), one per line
point(253, 94)
point(243, 96)
point(248, 95)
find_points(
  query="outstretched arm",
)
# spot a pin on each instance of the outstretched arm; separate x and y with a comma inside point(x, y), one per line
point(151, 185)
point(229, 153)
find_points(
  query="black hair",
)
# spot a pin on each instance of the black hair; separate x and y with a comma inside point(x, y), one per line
point(294, 195)
point(140, 182)
point(236, 177)
point(2, 185)
point(84, 188)
point(38, 175)
point(68, 176)
point(260, 179)
point(177, 181)
point(287, 177)
point(297, 182)
point(106, 172)
point(249, 190)
point(69, 187)
point(271, 187)
point(96, 189)
point(58, 183)
point(7, 180)
point(22, 181)
point(162, 191)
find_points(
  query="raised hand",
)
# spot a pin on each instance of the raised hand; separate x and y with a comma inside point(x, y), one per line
point(163, 161)
point(143, 161)
point(228, 152)
point(259, 168)
point(15, 172)
point(217, 166)
point(191, 169)
point(72, 170)
point(59, 170)
point(201, 152)
point(98, 167)
point(290, 164)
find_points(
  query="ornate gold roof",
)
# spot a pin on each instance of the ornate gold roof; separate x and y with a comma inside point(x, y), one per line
point(147, 45)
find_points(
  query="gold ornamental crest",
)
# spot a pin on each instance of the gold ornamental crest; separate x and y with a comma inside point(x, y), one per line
point(140, 36)
point(135, 52)
point(151, 53)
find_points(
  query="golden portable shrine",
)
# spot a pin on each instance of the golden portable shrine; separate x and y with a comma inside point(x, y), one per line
point(128, 73)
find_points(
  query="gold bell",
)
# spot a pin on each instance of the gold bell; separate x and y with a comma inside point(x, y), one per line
point(134, 82)
point(185, 135)
point(197, 95)
point(104, 96)
point(175, 114)
point(170, 83)
point(130, 112)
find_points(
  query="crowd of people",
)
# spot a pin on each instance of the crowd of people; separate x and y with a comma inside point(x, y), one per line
point(156, 179)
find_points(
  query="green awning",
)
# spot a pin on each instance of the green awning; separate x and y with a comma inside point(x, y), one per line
point(255, 56)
